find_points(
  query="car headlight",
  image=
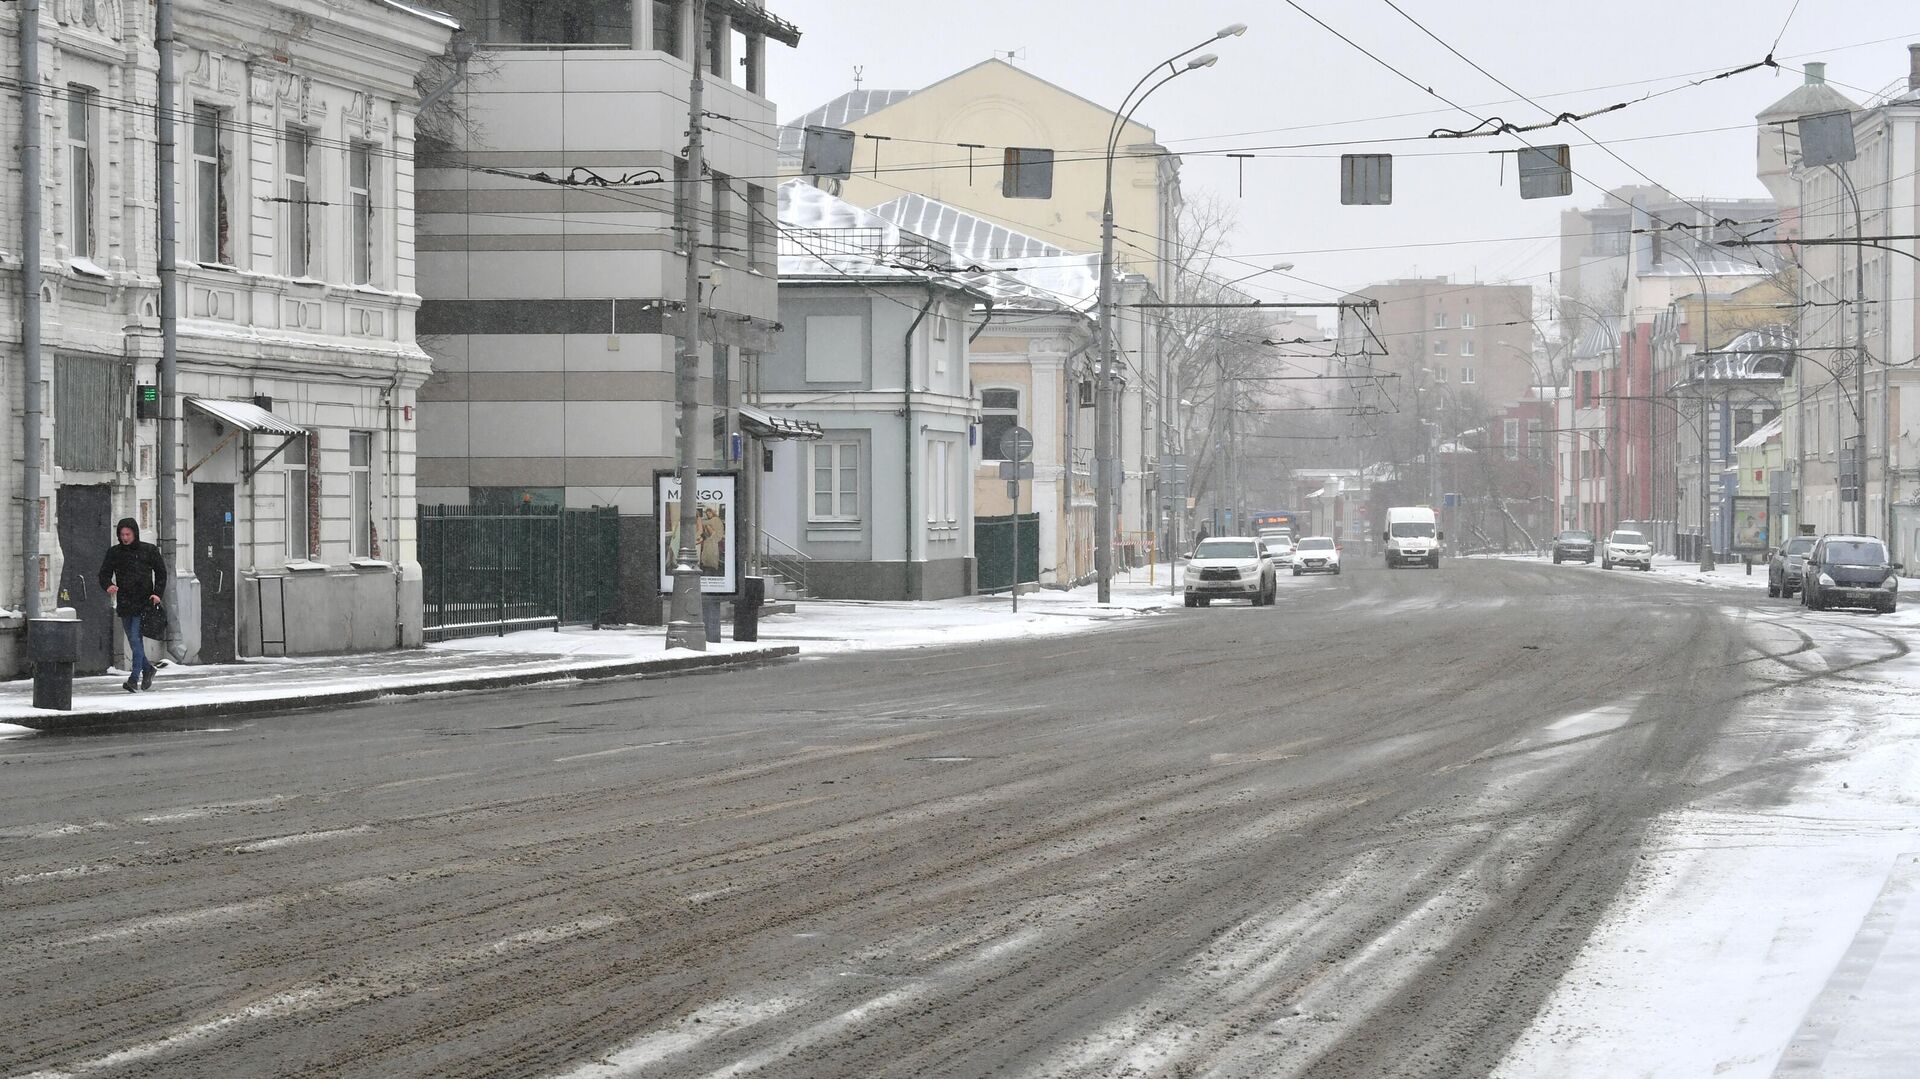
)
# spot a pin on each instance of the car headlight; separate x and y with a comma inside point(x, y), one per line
point(1826, 581)
point(1892, 583)
point(1249, 571)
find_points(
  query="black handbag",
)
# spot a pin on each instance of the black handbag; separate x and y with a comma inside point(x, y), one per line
point(153, 621)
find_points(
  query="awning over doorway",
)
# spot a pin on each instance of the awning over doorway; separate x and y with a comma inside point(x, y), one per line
point(245, 416)
point(760, 423)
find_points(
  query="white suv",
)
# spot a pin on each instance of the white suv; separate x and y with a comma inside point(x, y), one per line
point(1230, 568)
point(1625, 548)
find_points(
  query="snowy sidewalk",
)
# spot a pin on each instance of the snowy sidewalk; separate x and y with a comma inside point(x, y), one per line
point(818, 627)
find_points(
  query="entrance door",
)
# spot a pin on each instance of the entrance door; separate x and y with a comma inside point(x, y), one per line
point(213, 562)
point(86, 528)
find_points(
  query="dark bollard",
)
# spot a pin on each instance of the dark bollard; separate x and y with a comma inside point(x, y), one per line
point(746, 608)
point(53, 644)
point(710, 613)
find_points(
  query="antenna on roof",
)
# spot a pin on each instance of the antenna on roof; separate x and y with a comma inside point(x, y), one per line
point(859, 72)
point(1010, 55)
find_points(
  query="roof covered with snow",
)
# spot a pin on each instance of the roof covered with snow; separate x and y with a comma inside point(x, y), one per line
point(839, 112)
point(1762, 355)
point(1767, 433)
point(969, 236)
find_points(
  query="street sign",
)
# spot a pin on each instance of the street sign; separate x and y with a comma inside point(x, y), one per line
point(1016, 444)
point(1366, 179)
point(1013, 492)
point(1545, 172)
point(1016, 470)
point(1826, 138)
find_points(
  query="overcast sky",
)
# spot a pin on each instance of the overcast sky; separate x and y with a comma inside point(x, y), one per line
point(1288, 82)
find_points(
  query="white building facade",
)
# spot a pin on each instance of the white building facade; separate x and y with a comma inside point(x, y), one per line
point(297, 365)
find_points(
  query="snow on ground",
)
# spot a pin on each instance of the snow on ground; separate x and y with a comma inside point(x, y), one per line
point(1764, 937)
point(818, 627)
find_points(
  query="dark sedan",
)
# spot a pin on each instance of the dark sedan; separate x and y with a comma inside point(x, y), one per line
point(1786, 568)
point(1573, 546)
point(1850, 571)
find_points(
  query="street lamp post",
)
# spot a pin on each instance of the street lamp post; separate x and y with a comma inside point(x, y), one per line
point(1106, 453)
point(685, 626)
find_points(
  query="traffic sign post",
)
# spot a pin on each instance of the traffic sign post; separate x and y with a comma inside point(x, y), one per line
point(1016, 446)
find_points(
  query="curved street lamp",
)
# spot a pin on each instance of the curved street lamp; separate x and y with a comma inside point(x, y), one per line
point(1106, 452)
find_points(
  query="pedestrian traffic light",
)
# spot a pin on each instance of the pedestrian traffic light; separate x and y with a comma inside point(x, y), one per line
point(146, 402)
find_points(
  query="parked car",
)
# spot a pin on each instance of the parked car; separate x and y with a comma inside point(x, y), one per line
point(1573, 545)
point(1624, 548)
point(1316, 554)
point(1230, 568)
point(1850, 571)
point(1786, 566)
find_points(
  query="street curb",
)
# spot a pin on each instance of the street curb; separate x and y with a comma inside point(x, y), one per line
point(63, 721)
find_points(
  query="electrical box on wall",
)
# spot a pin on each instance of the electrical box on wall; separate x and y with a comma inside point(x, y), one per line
point(146, 402)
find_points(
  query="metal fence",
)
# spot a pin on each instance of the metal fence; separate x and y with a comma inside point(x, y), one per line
point(489, 570)
point(993, 552)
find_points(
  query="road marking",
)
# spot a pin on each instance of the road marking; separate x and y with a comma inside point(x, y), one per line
point(298, 839)
point(62, 874)
point(621, 749)
point(693, 1029)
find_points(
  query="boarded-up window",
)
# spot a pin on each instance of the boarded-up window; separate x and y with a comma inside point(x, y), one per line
point(87, 412)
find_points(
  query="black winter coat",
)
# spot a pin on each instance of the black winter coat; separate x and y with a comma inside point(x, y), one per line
point(137, 568)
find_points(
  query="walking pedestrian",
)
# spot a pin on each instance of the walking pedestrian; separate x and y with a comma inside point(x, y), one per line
point(135, 575)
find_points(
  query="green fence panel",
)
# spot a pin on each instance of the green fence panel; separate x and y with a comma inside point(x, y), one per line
point(489, 570)
point(993, 552)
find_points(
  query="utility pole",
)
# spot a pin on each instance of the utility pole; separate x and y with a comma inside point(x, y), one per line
point(685, 626)
point(1859, 361)
point(30, 177)
point(165, 112)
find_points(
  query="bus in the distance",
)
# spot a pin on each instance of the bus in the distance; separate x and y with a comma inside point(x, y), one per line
point(1277, 523)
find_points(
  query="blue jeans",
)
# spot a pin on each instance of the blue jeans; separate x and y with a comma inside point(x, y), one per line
point(136, 645)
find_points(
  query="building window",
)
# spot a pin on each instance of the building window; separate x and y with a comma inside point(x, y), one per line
point(1440, 374)
point(936, 479)
point(299, 500)
point(999, 413)
point(1439, 348)
point(212, 177)
point(299, 215)
point(1466, 320)
point(836, 481)
point(1466, 347)
point(1466, 376)
point(722, 403)
point(1510, 434)
point(87, 410)
point(547, 22)
point(360, 492)
point(666, 26)
point(1026, 173)
point(1534, 445)
point(759, 251)
point(82, 172)
point(360, 236)
point(1439, 320)
point(722, 211)
point(1608, 239)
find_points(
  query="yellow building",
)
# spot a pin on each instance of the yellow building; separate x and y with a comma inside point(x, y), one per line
point(915, 142)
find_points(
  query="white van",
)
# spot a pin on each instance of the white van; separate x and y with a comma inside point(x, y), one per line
point(1412, 537)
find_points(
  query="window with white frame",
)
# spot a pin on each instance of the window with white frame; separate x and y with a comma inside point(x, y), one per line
point(1466, 375)
point(1510, 436)
point(360, 491)
point(999, 413)
point(834, 490)
point(212, 187)
point(299, 239)
point(937, 455)
point(1466, 320)
point(360, 233)
point(1466, 347)
point(1439, 348)
point(83, 158)
point(1533, 438)
point(937, 355)
point(1439, 320)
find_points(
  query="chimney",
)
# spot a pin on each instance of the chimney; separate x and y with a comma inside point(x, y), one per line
point(1913, 67)
point(1816, 72)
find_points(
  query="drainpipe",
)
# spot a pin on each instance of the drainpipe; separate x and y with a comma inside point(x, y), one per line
point(392, 402)
point(906, 431)
point(165, 102)
point(30, 300)
point(985, 321)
